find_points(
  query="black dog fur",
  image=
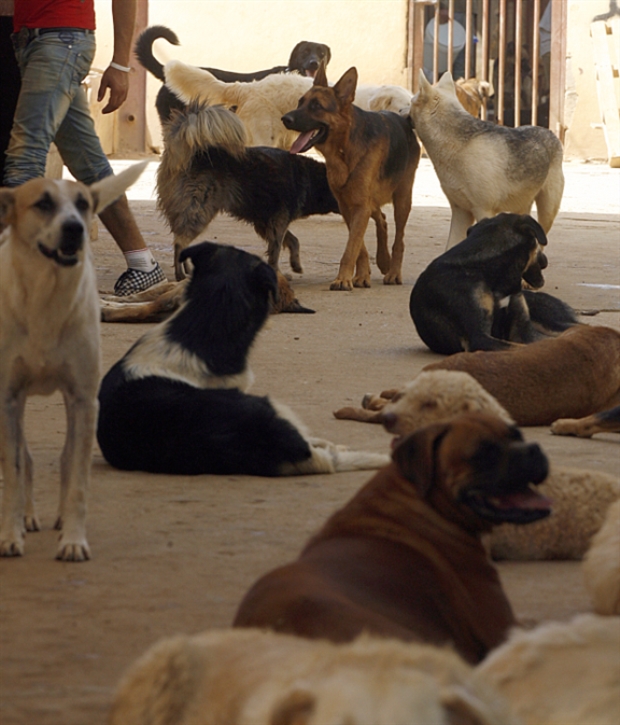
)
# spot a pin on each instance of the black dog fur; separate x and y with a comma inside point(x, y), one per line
point(471, 298)
point(151, 419)
point(305, 59)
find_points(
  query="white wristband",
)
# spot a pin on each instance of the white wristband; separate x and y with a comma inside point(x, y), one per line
point(125, 69)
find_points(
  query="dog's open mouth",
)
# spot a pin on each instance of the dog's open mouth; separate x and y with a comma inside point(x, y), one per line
point(307, 139)
point(518, 507)
point(61, 258)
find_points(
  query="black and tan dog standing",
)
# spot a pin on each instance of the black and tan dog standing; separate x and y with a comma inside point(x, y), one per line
point(371, 160)
point(403, 558)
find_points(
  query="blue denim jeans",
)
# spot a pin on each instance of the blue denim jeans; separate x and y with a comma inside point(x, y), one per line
point(52, 106)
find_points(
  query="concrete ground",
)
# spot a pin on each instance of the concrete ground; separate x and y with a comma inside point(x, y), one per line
point(176, 554)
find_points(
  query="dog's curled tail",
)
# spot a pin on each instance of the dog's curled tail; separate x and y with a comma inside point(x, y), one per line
point(200, 127)
point(144, 48)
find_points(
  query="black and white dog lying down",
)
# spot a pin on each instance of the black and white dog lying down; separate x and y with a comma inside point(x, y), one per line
point(176, 402)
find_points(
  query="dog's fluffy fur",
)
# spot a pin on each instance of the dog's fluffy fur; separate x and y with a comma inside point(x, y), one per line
point(471, 298)
point(483, 168)
point(601, 566)
point(176, 402)
point(561, 673)
point(305, 59)
point(49, 340)
point(580, 498)
point(254, 677)
point(206, 169)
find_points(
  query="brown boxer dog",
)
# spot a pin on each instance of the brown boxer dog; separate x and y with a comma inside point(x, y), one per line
point(403, 558)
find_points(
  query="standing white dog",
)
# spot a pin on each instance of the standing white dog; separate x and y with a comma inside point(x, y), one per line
point(49, 340)
point(483, 168)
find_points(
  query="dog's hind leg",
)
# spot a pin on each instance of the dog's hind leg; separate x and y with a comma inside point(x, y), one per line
point(402, 207)
point(383, 253)
point(549, 197)
point(459, 224)
point(14, 456)
point(292, 243)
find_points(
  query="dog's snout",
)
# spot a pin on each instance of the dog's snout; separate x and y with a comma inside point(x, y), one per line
point(71, 236)
point(389, 420)
point(288, 121)
point(542, 260)
point(532, 462)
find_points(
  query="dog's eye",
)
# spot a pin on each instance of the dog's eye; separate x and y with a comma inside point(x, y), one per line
point(81, 204)
point(314, 105)
point(45, 204)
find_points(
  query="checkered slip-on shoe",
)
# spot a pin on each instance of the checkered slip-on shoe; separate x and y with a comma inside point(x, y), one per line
point(135, 280)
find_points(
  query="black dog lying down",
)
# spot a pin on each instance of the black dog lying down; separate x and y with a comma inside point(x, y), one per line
point(305, 59)
point(175, 403)
point(206, 168)
point(471, 298)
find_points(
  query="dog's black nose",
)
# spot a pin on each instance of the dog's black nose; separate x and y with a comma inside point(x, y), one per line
point(312, 66)
point(389, 420)
point(71, 237)
point(287, 120)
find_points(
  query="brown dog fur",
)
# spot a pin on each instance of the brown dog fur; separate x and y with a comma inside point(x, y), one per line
point(570, 376)
point(371, 160)
point(403, 558)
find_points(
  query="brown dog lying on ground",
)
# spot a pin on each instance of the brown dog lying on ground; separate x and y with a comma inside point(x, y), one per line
point(371, 160)
point(607, 421)
point(403, 558)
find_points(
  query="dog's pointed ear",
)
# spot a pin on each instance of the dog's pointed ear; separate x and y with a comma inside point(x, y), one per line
point(108, 190)
point(345, 88)
point(424, 85)
point(7, 207)
point(446, 82)
point(415, 455)
point(320, 79)
point(528, 226)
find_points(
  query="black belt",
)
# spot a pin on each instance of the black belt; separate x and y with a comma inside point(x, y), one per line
point(25, 35)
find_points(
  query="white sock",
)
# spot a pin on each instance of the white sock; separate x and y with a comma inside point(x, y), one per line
point(141, 259)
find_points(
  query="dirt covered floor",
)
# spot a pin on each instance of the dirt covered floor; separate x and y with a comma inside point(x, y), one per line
point(176, 554)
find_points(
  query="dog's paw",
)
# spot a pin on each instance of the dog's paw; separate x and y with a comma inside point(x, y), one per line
point(31, 523)
point(362, 281)
point(73, 550)
point(12, 545)
point(347, 413)
point(393, 278)
point(569, 427)
point(345, 285)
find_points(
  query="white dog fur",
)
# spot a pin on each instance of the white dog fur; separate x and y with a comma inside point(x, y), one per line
point(580, 498)
point(601, 566)
point(252, 677)
point(561, 673)
point(485, 169)
point(49, 340)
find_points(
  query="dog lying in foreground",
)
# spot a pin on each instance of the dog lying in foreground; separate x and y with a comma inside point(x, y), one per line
point(371, 160)
point(304, 60)
point(49, 340)
point(176, 402)
point(206, 169)
point(470, 297)
point(403, 558)
point(607, 421)
point(265, 678)
point(483, 168)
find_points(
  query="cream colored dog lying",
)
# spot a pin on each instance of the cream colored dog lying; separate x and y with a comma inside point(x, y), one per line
point(560, 673)
point(49, 340)
point(601, 566)
point(253, 677)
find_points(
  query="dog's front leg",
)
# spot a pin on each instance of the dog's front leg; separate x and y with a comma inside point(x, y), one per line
point(355, 255)
point(74, 476)
point(14, 457)
point(459, 224)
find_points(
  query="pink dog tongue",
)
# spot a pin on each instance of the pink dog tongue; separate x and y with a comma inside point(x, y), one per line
point(300, 142)
point(523, 500)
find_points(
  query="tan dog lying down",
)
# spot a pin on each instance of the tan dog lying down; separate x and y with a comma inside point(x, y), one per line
point(251, 677)
point(560, 673)
point(580, 498)
point(601, 567)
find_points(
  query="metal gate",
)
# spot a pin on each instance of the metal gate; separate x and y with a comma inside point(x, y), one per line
point(516, 45)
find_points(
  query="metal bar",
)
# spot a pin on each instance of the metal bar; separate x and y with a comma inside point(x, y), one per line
point(535, 58)
point(485, 48)
point(558, 67)
point(518, 58)
point(436, 46)
point(468, 38)
point(450, 36)
point(501, 52)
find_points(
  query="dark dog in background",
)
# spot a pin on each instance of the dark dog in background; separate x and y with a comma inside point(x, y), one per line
point(176, 402)
point(305, 59)
point(470, 297)
point(371, 160)
point(206, 169)
point(403, 559)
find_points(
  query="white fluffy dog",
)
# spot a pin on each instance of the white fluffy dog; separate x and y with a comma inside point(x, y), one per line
point(601, 566)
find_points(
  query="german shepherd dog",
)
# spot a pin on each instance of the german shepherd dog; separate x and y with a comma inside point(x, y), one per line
point(305, 59)
point(470, 298)
point(207, 169)
point(371, 160)
point(176, 403)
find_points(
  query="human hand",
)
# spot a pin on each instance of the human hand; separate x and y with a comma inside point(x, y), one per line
point(117, 81)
